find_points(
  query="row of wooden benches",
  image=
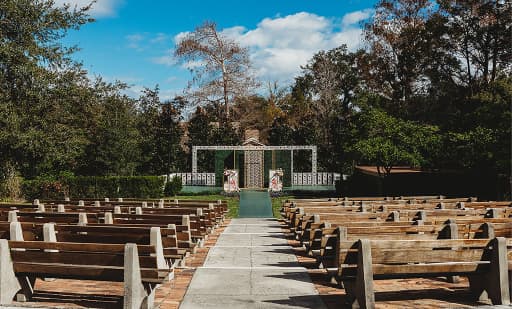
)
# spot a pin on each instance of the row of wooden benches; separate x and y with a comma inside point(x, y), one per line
point(314, 226)
point(302, 221)
point(294, 213)
point(131, 202)
point(201, 219)
point(140, 250)
point(363, 246)
point(219, 208)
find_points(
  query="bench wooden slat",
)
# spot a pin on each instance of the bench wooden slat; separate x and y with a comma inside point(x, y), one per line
point(81, 247)
point(96, 259)
point(417, 244)
point(84, 272)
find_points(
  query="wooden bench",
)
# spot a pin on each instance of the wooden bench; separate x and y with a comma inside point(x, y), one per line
point(163, 239)
point(181, 231)
point(45, 217)
point(161, 203)
point(302, 222)
point(484, 262)
point(325, 248)
point(323, 237)
point(24, 261)
point(197, 228)
point(210, 214)
point(207, 216)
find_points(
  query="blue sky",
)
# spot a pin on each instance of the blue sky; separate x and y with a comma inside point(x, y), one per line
point(132, 41)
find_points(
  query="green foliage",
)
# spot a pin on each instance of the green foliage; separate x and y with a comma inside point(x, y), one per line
point(233, 202)
point(93, 187)
point(135, 186)
point(44, 187)
point(173, 186)
point(37, 124)
point(114, 138)
point(280, 133)
point(10, 183)
point(54, 118)
point(159, 124)
point(433, 91)
point(387, 141)
point(199, 134)
point(277, 204)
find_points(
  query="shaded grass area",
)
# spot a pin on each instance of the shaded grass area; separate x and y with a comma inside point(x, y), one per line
point(277, 203)
point(233, 202)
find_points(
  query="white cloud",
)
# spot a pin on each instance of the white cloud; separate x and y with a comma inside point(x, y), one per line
point(166, 59)
point(351, 37)
point(165, 94)
point(145, 40)
point(171, 79)
point(133, 91)
point(102, 8)
point(134, 40)
point(354, 18)
point(160, 38)
point(192, 64)
point(180, 36)
point(280, 46)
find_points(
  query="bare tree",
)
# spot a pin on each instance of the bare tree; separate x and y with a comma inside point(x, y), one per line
point(220, 67)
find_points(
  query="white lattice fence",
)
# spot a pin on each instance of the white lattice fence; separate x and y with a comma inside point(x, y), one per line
point(195, 179)
point(310, 179)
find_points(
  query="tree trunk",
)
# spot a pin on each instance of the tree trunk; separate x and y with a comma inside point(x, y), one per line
point(225, 89)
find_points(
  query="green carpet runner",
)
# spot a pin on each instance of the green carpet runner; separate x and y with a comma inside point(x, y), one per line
point(255, 204)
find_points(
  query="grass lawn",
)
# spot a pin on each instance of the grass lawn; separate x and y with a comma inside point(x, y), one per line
point(234, 203)
point(277, 203)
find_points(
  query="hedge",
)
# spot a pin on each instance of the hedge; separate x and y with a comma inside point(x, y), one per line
point(94, 187)
point(173, 186)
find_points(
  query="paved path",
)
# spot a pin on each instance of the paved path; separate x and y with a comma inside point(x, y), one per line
point(251, 266)
point(255, 204)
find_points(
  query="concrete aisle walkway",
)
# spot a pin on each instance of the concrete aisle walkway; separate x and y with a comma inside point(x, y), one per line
point(251, 266)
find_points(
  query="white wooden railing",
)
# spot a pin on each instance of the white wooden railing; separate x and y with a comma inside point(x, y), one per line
point(195, 179)
point(321, 179)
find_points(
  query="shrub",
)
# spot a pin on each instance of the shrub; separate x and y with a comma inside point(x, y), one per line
point(173, 186)
point(10, 186)
point(43, 189)
point(94, 187)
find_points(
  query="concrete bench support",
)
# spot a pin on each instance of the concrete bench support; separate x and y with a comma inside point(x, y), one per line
point(9, 284)
point(494, 284)
point(360, 291)
point(136, 294)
